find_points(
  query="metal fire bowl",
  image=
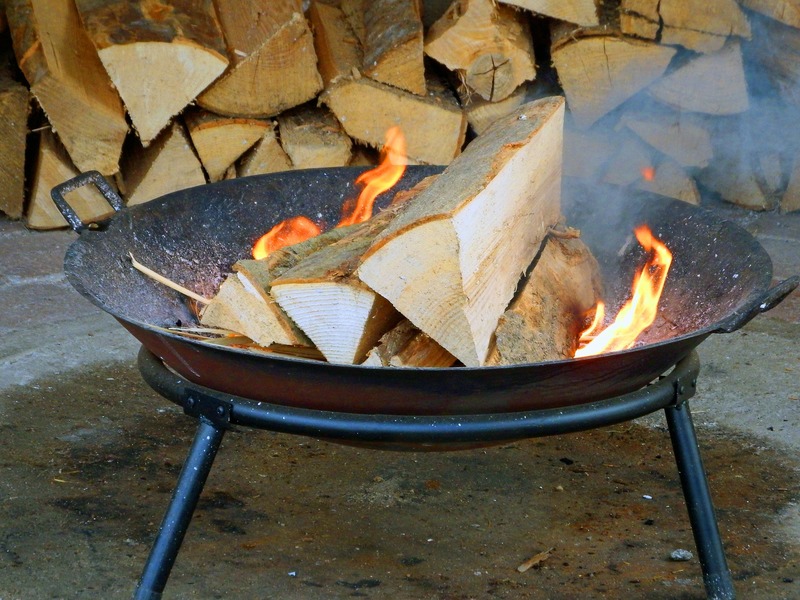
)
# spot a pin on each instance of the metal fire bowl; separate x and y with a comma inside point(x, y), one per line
point(719, 280)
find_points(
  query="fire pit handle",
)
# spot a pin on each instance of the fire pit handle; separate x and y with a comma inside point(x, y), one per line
point(59, 192)
point(769, 300)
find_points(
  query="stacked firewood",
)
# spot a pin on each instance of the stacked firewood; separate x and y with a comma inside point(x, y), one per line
point(680, 97)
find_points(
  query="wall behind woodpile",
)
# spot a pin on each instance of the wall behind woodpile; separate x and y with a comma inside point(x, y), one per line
point(692, 99)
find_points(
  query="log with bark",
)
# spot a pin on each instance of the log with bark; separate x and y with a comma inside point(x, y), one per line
point(15, 107)
point(312, 137)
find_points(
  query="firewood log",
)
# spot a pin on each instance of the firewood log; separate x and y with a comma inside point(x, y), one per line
point(548, 313)
point(159, 55)
point(785, 11)
point(482, 113)
point(700, 25)
point(312, 137)
point(600, 70)
point(219, 141)
point(393, 44)
point(337, 46)
point(790, 201)
point(272, 60)
point(450, 261)
point(711, 83)
point(406, 346)
point(14, 106)
point(267, 156)
point(69, 81)
point(774, 55)
point(54, 167)
point(579, 12)
point(489, 45)
point(166, 165)
point(670, 179)
point(684, 137)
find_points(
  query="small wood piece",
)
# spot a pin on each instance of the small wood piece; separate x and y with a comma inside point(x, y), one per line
point(489, 45)
point(579, 12)
point(54, 167)
point(700, 25)
point(406, 346)
point(393, 44)
point(450, 261)
point(14, 108)
point(434, 125)
point(548, 313)
point(785, 11)
point(272, 59)
point(267, 156)
point(681, 136)
point(219, 141)
point(69, 81)
point(337, 46)
point(159, 55)
point(711, 83)
point(167, 165)
point(599, 71)
point(312, 137)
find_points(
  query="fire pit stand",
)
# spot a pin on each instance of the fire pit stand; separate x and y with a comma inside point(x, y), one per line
point(217, 412)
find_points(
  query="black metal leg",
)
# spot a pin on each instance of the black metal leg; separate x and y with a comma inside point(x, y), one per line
point(179, 513)
point(716, 575)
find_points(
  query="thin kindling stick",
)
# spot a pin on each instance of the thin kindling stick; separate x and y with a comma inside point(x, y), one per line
point(167, 282)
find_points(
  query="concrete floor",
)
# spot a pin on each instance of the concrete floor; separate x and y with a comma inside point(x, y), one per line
point(89, 456)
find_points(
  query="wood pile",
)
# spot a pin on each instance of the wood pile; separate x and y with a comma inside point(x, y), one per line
point(686, 98)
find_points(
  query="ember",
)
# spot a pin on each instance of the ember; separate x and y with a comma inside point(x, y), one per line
point(640, 311)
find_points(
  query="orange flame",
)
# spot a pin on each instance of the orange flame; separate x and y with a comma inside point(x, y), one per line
point(378, 180)
point(640, 311)
point(291, 231)
point(648, 173)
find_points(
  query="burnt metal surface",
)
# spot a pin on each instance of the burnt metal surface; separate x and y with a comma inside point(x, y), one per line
point(720, 278)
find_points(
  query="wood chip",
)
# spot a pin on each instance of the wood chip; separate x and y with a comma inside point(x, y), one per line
point(535, 560)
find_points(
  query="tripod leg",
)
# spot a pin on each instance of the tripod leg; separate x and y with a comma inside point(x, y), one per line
point(179, 513)
point(716, 575)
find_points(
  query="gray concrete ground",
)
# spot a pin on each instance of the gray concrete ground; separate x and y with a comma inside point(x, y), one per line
point(89, 454)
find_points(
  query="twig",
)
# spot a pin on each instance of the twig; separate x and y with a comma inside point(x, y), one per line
point(167, 282)
point(535, 560)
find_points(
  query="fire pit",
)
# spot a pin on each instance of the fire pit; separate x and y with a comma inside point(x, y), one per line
point(721, 279)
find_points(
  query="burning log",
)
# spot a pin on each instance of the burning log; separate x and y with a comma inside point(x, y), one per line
point(406, 346)
point(393, 44)
point(700, 25)
point(487, 44)
point(450, 261)
point(159, 56)
point(312, 137)
point(14, 106)
point(548, 313)
point(66, 77)
point(219, 141)
point(599, 71)
point(166, 165)
point(267, 156)
point(272, 60)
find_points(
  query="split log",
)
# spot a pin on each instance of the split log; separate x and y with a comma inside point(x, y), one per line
point(393, 44)
point(450, 261)
point(54, 167)
point(353, 11)
point(159, 56)
point(337, 46)
point(312, 137)
point(14, 106)
point(406, 346)
point(700, 25)
point(785, 11)
point(774, 58)
point(599, 71)
point(682, 136)
point(548, 313)
point(711, 83)
point(482, 113)
point(434, 125)
point(69, 82)
point(579, 12)
point(220, 141)
point(668, 178)
point(167, 165)
point(267, 156)
point(487, 44)
point(272, 59)
point(790, 201)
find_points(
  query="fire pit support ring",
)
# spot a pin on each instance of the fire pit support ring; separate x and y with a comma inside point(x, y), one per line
point(217, 412)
